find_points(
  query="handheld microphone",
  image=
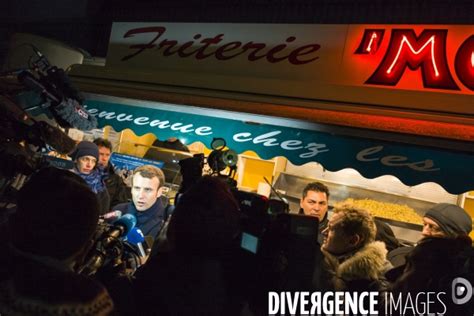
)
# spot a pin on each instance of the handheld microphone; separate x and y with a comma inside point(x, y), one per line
point(122, 226)
point(111, 216)
point(107, 244)
point(136, 238)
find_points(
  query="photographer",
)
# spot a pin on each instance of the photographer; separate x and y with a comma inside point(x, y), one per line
point(50, 233)
point(201, 275)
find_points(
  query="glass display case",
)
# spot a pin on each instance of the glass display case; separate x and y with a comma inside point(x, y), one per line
point(291, 187)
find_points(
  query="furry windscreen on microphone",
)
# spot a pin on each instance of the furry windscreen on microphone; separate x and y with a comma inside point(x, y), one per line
point(76, 116)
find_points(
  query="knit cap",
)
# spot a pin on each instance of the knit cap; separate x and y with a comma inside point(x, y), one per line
point(452, 219)
point(86, 148)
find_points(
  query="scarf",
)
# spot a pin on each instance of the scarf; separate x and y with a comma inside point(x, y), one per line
point(95, 179)
point(151, 220)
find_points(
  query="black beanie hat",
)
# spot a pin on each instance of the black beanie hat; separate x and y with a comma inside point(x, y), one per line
point(86, 148)
point(452, 219)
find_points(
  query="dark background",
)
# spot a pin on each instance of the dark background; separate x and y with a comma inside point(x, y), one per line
point(87, 23)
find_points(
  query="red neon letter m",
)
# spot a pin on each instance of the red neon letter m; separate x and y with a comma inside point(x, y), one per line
point(427, 51)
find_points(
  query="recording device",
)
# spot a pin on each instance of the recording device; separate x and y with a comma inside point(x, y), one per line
point(111, 217)
point(110, 249)
point(218, 160)
point(120, 228)
point(22, 138)
point(24, 142)
point(278, 251)
point(137, 239)
point(60, 97)
point(17, 125)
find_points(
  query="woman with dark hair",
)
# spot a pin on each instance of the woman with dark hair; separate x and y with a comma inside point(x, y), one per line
point(200, 275)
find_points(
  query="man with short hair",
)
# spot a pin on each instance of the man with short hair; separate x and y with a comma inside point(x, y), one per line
point(118, 190)
point(314, 202)
point(146, 205)
point(353, 260)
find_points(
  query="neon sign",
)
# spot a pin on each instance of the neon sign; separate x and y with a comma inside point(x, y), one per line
point(425, 53)
point(370, 41)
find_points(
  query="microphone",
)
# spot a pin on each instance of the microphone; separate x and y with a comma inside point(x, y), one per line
point(107, 244)
point(41, 130)
point(122, 226)
point(72, 114)
point(68, 112)
point(111, 216)
point(136, 238)
point(30, 81)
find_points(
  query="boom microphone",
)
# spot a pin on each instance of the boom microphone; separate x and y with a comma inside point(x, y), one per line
point(68, 112)
point(29, 81)
point(74, 115)
point(35, 132)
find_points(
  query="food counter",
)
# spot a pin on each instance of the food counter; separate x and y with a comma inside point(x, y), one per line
point(402, 213)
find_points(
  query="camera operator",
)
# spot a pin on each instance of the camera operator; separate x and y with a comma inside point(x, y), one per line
point(85, 157)
point(147, 203)
point(201, 274)
point(50, 233)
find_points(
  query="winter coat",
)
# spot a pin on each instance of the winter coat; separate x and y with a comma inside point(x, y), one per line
point(118, 190)
point(361, 270)
point(149, 221)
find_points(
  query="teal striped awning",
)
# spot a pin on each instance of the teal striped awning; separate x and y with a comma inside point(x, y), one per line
point(410, 158)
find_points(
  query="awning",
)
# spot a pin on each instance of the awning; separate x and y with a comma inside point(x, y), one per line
point(411, 159)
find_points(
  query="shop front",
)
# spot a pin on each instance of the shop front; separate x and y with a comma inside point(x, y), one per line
point(382, 101)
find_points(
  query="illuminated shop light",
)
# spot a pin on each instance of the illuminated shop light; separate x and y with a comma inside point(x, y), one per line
point(405, 40)
point(372, 38)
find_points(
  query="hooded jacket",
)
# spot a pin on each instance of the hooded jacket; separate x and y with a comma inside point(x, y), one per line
point(359, 270)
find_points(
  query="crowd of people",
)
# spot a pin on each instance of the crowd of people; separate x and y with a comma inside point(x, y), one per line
point(196, 265)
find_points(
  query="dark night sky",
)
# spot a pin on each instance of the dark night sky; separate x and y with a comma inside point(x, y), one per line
point(86, 24)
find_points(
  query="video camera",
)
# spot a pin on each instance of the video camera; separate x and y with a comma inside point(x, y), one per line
point(279, 249)
point(25, 141)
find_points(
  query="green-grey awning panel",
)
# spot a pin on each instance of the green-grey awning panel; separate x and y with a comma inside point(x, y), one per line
point(298, 141)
